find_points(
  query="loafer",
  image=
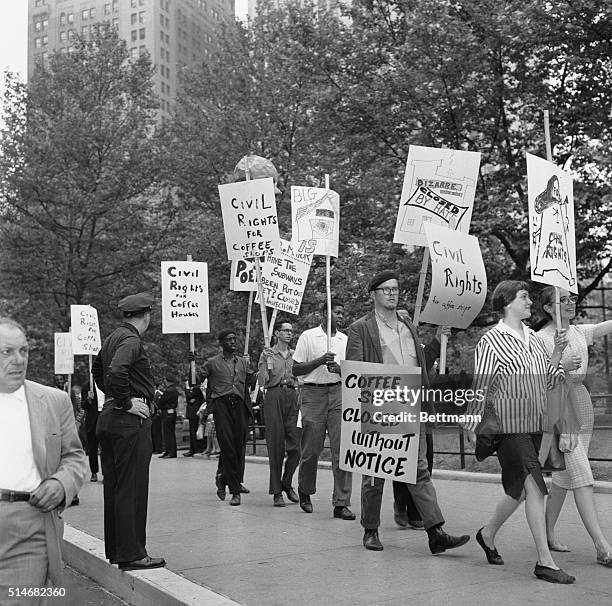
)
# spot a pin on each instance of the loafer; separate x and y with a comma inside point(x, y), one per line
point(401, 518)
point(371, 540)
point(305, 503)
point(439, 541)
point(188, 454)
point(343, 512)
point(493, 556)
point(553, 575)
point(604, 558)
point(143, 564)
point(94, 477)
point(416, 524)
point(235, 500)
point(291, 495)
point(220, 487)
point(278, 500)
point(244, 489)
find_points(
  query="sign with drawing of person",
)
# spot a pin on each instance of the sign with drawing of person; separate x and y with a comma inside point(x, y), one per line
point(315, 217)
point(458, 278)
point(439, 188)
point(249, 218)
point(64, 359)
point(85, 330)
point(381, 415)
point(551, 224)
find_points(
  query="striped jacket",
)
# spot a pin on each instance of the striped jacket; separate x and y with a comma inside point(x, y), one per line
point(514, 376)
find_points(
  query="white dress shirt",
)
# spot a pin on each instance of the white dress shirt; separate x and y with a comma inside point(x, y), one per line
point(311, 345)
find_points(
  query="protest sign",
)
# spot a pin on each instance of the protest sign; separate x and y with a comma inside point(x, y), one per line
point(249, 218)
point(381, 414)
point(315, 217)
point(184, 289)
point(439, 187)
point(551, 224)
point(458, 278)
point(243, 277)
point(64, 359)
point(284, 276)
point(85, 330)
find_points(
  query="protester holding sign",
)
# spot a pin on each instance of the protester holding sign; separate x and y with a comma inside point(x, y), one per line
point(321, 407)
point(281, 410)
point(577, 476)
point(384, 337)
point(513, 370)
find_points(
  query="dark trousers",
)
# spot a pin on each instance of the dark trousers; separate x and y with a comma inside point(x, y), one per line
point(282, 435)
point(168, 427)
point(195, 445)
point(230, 415)
point(156, 434)
point(401, 494)
point(126, 453)
point(92, 450)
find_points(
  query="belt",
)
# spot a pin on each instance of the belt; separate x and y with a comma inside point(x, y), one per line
point(286, 386)
point(322, 384)
point(14, 495)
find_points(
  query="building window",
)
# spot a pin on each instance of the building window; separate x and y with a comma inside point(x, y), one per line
point(116, 22)
point(133, 52)
point(107, 9)
point(141, 17)
point(92, 13)
point(115, 6)
point(37, 43)
point(84, 14)
point(63, 37)
point(134, 35)
point(45, 55)
point(70, 34)
point(38, 26)
point(84, 30)
point(168, 73)
point(45, 40)
point(141, 2)
point(167, 39)
point(142, 33)
point(45, 23)
point(133, 18)
point(70, 17)
point(62, 18)
point(142, 49)
point(133, 4)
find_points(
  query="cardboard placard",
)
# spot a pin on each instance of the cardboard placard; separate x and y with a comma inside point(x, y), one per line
point(63, 358)
point(552, 235)
point(85, 330)
point(381, 407)
point(243, 277)
point(439, 188)
point(458, 278)
point(249, 218)
point(315, 218)
point(284, 276)
point(184, 290)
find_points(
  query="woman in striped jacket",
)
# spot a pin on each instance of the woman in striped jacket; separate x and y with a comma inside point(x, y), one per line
point(514, 372)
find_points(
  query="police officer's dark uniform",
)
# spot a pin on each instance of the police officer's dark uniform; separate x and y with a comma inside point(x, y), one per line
point(122, 371)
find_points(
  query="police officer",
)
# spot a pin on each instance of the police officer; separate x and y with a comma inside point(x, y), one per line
point(122, 371)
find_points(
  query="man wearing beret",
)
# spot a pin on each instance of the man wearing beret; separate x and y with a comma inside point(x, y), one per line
point(228, 375)
point(385, 337)
point(122, 372)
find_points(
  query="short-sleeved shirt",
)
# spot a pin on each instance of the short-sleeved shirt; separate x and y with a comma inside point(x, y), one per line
point(397, 346)
point(281, 372)
point(311, 345)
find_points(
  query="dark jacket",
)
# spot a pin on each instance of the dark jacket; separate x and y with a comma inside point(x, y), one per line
point(195, 399)
point(90, 406)
point(364, 344)
point(169, 398)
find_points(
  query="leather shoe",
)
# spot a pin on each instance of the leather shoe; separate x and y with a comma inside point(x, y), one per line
point(439, 541)
point(416, 524)
point(305, 503)
point(164, 456)
point(220, 487)
point(173, 456)
point(493, 556)
point(244, 489)
point(235, 500)
point(401, 519)
point(553, 575)
point(143, 564)
point(291, 495)
point(371, 540)
point(188, 454)
point(604, 558)
point(278, 500)
point(94, 477)
point(343, 512)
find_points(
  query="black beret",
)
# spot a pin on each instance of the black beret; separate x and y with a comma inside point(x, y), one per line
point(383, 276)
point(225, 332)
point(143, 301)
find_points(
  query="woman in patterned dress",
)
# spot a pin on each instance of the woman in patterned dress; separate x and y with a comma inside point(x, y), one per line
point(514, 371)
point(577, 476)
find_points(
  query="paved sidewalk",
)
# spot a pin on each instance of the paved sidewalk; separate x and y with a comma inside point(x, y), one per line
point(260, 555)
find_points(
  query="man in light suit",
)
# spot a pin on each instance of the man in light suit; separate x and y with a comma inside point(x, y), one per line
point(42, 466)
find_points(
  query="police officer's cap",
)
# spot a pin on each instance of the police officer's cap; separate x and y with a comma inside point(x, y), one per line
point(259, 168)
point(136, 304)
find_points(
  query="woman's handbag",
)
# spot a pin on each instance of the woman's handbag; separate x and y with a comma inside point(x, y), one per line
point(488, 435)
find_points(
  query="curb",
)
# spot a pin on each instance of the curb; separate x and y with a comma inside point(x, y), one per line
point(139, 588)
point(600, 486)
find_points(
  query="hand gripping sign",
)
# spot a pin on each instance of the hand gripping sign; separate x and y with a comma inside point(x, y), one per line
point(381, 409)
point(551, 224)
point(85, 330)
point(458, 278)
point(439, 187)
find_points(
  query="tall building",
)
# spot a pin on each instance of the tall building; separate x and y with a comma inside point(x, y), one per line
point(320, 4)
point(174, 32)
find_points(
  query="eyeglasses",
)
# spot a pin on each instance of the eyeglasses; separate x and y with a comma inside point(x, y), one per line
point(389, 290)
point(570, 299)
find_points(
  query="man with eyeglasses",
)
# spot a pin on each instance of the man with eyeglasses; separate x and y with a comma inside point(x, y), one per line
point(281, 412)
point(321, 407)
point(383, 336)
